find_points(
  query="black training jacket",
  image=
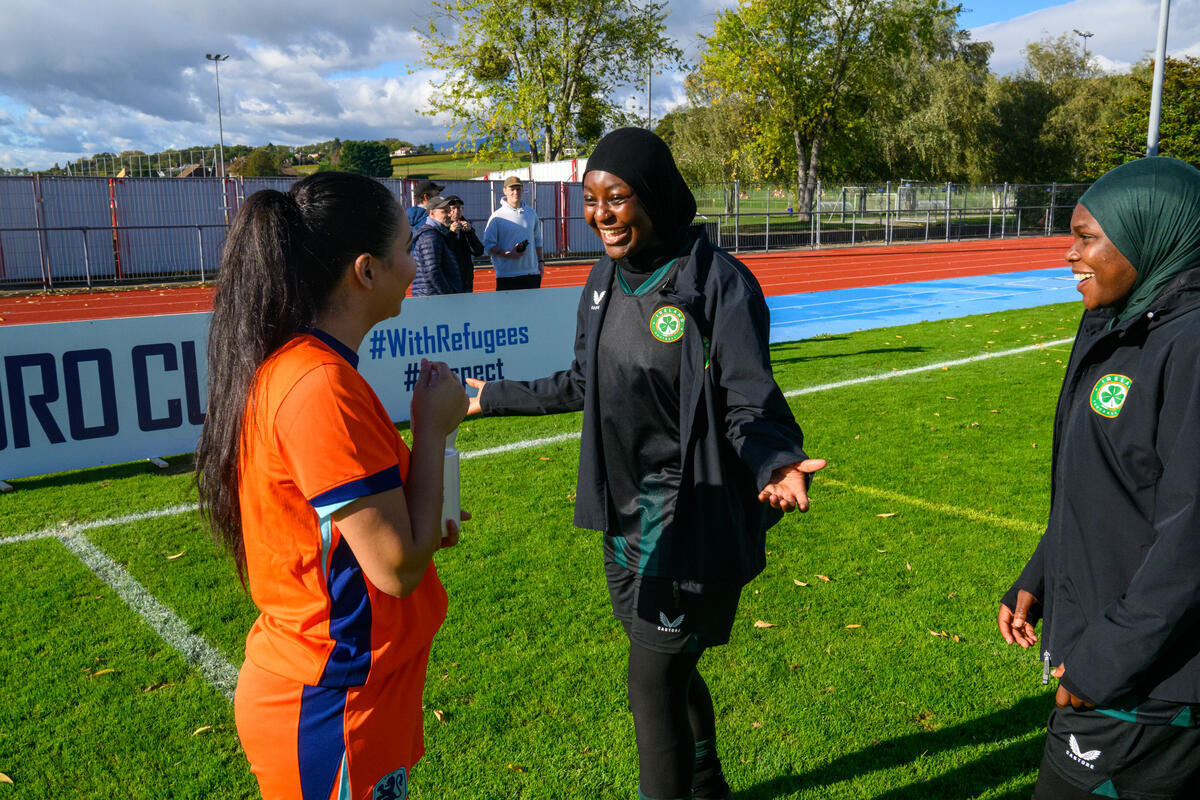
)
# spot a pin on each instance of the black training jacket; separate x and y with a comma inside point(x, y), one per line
point(1118, 569)
point(735, 426)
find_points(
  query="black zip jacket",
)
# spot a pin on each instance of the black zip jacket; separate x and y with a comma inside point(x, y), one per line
point(735, 426)
point(1118, 569)
point(467, 248)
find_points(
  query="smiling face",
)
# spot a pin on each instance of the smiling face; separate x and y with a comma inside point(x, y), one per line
point(1105, 276)
point(615, 213)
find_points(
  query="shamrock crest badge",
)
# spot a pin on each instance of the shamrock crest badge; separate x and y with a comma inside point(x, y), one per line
point(667, 324)
point(1109, 394)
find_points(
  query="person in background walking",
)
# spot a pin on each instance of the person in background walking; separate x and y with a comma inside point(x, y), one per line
point(437, 265)
point(513, 238)
point(464, 242)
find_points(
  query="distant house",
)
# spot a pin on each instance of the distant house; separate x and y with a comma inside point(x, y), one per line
point(403, 151)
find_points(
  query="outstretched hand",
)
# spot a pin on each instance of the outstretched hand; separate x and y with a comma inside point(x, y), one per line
point(1014, 623)
point(473, 406)
point(788, 488)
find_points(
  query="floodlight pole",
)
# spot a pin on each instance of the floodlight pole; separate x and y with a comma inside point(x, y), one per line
point(1085, 35)
point(217, 58)
point(1160, 61)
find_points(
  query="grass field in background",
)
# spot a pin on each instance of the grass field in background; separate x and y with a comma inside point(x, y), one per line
point(888, 680)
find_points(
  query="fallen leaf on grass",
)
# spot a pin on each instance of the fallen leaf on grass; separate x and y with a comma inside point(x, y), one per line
point(948, 397)
point(799, 583)
point(102, 672)
point(826, 578)
point(177, 555)
point(202, 729)
point(756, 725)
point(441, 715)
point(888, 514)
point(853, 626)
point(4, 778)
point(907, 565)
point(758, 623)
point(515, 768)
point(154, 687)
point(543, 458)
point(878, 550)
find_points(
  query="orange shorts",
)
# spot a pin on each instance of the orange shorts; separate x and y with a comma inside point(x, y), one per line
point(341, 743)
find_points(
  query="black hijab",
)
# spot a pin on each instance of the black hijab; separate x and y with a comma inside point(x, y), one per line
point(641, 159)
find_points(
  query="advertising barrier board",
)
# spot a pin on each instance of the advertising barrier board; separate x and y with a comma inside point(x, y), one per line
point(85, 394)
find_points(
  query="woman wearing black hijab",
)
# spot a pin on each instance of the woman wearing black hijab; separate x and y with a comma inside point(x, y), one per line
point(689, 451)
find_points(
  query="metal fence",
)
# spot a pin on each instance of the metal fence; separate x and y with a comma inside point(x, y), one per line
point(57, 231)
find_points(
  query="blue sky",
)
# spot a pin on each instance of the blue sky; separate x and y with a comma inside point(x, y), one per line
point(79, 77)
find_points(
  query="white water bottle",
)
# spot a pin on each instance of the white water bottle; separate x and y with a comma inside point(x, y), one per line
point(450, 496)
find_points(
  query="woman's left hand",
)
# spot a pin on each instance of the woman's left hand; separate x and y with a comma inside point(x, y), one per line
point(1063, 697)
point(788, 489)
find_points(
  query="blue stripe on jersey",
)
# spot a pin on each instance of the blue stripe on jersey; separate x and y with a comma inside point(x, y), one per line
point(320, 743)
point(363, 487)
point(349, 621)
point(339, 348)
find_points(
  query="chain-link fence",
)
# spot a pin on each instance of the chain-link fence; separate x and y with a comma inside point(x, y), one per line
point(57, 231)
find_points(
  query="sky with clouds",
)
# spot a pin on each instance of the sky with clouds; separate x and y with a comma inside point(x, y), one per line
point(79, 77)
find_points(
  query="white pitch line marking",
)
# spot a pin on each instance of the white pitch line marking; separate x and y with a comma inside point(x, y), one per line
point(927, 368)
point(165, 622)
point(99, 523)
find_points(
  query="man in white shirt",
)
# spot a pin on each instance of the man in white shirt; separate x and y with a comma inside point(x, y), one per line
point(513, 238)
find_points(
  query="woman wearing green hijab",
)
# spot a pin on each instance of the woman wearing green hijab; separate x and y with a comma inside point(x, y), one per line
point(1116, 576)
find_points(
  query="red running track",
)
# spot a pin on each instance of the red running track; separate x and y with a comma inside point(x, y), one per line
point(780, 273)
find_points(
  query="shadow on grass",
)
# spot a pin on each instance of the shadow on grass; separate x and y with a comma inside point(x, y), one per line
point(176, 465)
point(782, 359)
point(968, 780)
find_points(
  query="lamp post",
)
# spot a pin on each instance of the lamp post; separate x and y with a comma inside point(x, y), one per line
point(1085, 35)
point(217, 58)
point(1160, 62)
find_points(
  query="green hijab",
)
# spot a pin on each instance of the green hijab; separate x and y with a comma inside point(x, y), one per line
point(1149, 209)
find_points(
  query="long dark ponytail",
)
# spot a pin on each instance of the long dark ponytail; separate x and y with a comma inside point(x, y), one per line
point(283, 257)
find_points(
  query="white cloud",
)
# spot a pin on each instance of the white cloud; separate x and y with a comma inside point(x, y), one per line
point(78, 77)
point(1125, 31)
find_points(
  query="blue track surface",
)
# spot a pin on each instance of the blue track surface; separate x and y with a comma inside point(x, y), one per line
point(800, 316)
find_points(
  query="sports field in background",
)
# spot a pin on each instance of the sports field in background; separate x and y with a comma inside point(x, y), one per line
point(864, 662)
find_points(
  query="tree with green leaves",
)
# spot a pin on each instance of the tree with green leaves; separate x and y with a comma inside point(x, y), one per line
point(1042, 122)
point(541, 71)
point(809, 70)
point(366, 158)
point(261, 162)
point(927, 125)
point(1124, 137)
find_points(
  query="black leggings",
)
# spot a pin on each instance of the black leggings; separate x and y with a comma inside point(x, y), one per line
point(672, 710)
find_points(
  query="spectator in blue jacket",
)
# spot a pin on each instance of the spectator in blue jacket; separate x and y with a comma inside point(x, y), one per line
point(437, 264)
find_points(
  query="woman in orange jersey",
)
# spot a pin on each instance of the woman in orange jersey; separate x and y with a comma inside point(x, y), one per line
point(332, 521)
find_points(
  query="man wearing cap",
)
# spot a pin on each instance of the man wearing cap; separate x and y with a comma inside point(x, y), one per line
point(437, 266)
point(464, 242)
point(418, 211)
point(513, 238)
